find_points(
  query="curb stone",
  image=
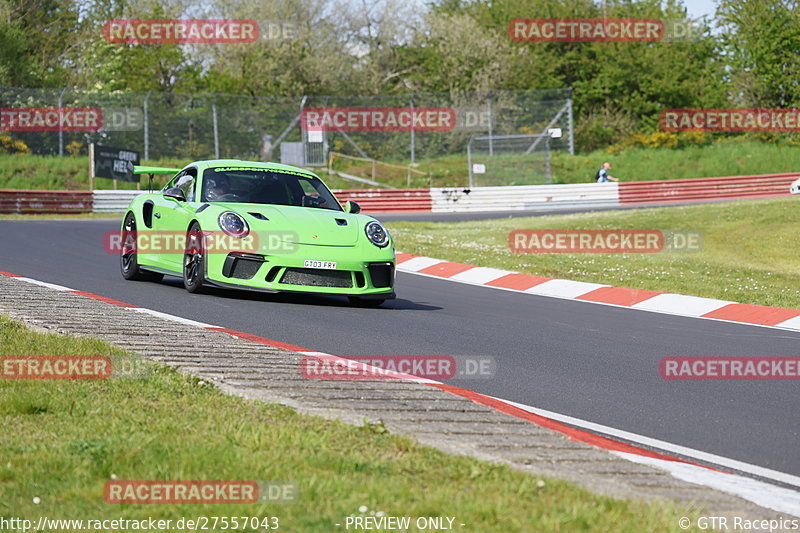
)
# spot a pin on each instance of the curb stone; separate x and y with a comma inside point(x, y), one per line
point(427, 414)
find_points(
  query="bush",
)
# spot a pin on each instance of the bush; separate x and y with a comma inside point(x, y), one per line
point(661, 139)
point(11, 146)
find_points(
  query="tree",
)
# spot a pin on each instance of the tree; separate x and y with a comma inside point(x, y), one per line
point(38, 41)
point(760, 42)
point(619, 87)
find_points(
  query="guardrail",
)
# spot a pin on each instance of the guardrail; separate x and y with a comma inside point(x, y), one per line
point(33, 202)
point(728, 188)
point(113, 201)
point(524, 197)
point(388, 200)
point(450, 199)
point(374, 200)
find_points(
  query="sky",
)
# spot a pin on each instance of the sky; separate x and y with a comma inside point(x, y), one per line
point(698, 8)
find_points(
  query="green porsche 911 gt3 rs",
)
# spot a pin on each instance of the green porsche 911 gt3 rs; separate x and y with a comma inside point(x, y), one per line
point(256, 226)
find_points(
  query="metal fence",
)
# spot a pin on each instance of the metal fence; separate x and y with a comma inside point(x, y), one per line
point(509, 160)
point(196, 126)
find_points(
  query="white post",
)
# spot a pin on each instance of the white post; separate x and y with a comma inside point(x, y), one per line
point(469, 161)
point(413, 147)
point(489, 111)
point(91, 166)
point(216, 129)
point(146, 127)
point(60, 131)
point(571, 124)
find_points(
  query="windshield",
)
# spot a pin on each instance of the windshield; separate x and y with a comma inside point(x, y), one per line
point(266, 186)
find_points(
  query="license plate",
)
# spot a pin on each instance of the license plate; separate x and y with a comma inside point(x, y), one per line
point(328, 265)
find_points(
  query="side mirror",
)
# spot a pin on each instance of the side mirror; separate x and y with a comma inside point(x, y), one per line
point(352, 207)
point(175, 193)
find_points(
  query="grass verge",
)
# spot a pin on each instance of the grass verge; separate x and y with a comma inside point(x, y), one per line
point(64, 439)
point(750, 249)
point(729, 157)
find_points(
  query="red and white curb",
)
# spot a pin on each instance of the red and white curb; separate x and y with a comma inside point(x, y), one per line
point(764, 494)
point(598, 293)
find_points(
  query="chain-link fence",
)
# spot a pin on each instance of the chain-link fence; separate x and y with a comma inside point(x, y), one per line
point(301, 130)
point(509, 160)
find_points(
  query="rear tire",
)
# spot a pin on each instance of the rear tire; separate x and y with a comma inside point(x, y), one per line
point(128, 264)
point(366, 302)
point(194, 260)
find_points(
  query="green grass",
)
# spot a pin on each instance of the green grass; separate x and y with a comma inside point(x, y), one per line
point(63, 173)
point(730, 157)
point(751, 249)
point(63, 440)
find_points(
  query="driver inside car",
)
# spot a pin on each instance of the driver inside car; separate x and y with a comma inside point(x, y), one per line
point(218, 186)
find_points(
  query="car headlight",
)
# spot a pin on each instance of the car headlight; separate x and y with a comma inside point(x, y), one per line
point(377, 234)
point(233, 224)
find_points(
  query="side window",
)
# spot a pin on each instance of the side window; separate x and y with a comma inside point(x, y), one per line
point(171, 183)
point(308, 189)
point(186, 183)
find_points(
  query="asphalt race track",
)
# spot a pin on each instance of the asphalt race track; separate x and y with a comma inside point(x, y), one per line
point(589, 361)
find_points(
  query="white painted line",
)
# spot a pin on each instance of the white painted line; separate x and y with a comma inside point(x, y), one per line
point(792, 323)
point(480, 275)
point(680, 304)
point(772, 497)
point(418, 263)
point(173, 318)
point(792, 327)
point(732, 464)
point(564, 288)
point(45, 284)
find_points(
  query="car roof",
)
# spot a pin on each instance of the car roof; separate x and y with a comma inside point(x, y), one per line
point(249, 164)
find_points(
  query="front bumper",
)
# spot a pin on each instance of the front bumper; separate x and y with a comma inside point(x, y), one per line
point(362, 273)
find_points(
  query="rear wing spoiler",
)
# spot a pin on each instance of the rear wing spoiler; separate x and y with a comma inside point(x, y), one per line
point(155, 170)
point(152, 171)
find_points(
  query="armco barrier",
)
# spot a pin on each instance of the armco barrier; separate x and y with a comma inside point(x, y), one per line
point(729, 188)
point(113, 201)
point(388, 200)
point(370, 200)
point(24, 202)
point(524, 197)
point(450, 199)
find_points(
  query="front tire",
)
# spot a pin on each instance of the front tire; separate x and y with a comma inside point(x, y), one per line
point(128, 263)
point(194, 260)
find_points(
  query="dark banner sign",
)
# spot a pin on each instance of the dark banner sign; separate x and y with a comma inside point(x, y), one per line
point(115, 163)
